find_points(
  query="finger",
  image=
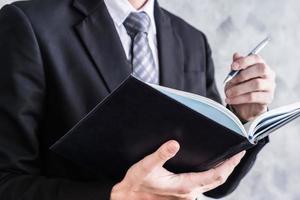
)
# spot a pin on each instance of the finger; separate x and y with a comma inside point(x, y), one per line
point(159, 157)
point(246, 62)
point(255, 71)
point(149, 196)
point(264, 98)
point(253, 85)
point(193, 183)
point(229, 85)
point(221, 173)
point(204, 179)
point(236, 56)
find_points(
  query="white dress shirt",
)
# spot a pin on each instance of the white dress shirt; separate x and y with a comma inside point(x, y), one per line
point(119, 10)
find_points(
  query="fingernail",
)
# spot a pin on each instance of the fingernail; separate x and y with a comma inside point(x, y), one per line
point(173, 147)
point(235, 66)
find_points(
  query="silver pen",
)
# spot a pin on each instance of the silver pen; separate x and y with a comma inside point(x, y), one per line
point(256, 50)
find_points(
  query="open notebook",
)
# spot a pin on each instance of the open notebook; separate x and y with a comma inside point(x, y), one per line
point(253, 130)
point(136, 118)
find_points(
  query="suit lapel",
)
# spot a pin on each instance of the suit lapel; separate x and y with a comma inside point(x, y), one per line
point(99, 36)
point(170, 51)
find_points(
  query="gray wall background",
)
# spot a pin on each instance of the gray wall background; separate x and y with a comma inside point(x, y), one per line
point(235, 25)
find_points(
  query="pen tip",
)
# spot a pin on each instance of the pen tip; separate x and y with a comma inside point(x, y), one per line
point(268, 38)
point(226, 80)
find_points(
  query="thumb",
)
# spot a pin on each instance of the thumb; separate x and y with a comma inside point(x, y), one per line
point(236, 56)
point(235, 65)
point(157, 159)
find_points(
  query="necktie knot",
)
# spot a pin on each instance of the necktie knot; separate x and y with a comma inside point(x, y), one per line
point(137, 23)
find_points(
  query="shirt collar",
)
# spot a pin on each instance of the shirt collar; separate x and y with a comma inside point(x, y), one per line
point(120, 10)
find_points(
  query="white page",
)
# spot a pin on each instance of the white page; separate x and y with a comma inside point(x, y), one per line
point(269, 121)
point(273, 113)
point(263, 133)
point(205, 106)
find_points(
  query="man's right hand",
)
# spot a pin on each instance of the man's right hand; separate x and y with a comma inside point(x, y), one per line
point(148, 179)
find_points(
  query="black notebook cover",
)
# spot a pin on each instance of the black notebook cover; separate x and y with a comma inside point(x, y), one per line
point(133, 121)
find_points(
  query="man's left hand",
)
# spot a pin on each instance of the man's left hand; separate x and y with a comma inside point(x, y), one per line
point(250, 92)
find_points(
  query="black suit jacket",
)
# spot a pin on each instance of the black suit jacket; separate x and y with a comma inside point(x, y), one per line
point(58, 59)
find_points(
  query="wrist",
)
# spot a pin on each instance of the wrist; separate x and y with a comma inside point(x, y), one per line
point(232, 109)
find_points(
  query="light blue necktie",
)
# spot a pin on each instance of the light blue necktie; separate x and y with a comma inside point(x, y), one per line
point(137, 26)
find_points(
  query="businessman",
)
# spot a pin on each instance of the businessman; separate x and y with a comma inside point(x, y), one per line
point(59, 58)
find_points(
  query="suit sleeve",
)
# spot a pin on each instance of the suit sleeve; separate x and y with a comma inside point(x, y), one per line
point(249, 159)
point(22, 92)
